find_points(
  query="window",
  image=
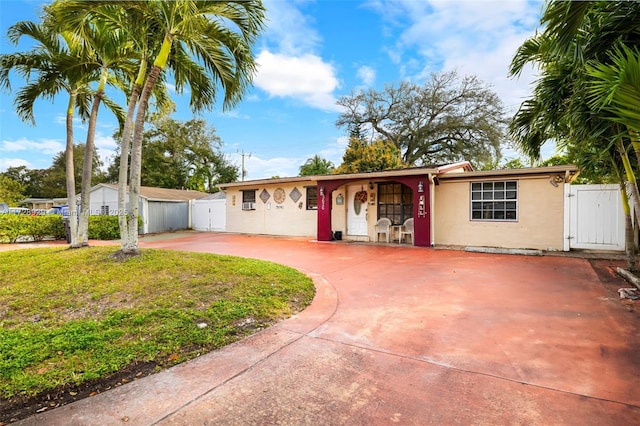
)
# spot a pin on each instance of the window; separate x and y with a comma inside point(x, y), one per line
point(395, 201)
point(312, 198)
point(249, 199)
point(494, 200)
point(104, 210)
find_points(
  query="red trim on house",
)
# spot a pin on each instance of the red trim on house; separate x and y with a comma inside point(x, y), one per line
point(325, 197)
point(421, 216)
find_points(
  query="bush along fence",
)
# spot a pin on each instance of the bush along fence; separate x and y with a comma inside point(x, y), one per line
point(19, 227)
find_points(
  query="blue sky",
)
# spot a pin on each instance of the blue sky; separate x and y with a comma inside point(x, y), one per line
point(312, 53)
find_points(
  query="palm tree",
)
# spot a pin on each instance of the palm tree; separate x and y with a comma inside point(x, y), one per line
point(122, 47)
point(115, 63)
point(203, 50)
point(205, 44)
point(615, 88)
point(578, 44)
point(316, 165)
point(54, 60)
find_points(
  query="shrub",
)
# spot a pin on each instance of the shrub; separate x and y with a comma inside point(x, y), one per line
point(14, 226)
point(40, 227)
point(104, 228)
point(11, 227)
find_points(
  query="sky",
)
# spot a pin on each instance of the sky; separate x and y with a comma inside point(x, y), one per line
point(311, 53)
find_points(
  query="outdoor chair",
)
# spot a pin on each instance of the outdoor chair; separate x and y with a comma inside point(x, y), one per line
point(383, 226)
point(406, 229)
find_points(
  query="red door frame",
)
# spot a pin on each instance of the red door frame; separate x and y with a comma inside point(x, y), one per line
point(421, 207)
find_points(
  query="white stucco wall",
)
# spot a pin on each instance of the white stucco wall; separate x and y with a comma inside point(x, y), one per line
point(290, 218)
point(540, 221)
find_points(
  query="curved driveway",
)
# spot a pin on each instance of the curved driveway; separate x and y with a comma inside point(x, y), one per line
point(403, 335)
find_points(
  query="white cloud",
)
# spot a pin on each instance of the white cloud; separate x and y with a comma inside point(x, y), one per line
point(106, 148)
point(5, 163)
point(289, 66)
point(470, 36)
point(335, 150)
point(61, 119)
point(288, 29)
point(265, 168)
point(43, 146)
point(234, 114)
point(307, 78)
point(367, 75)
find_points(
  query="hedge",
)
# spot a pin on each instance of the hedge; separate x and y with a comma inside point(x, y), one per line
point(15, 226)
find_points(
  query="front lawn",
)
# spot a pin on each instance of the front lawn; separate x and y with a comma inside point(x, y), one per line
point(71, 317)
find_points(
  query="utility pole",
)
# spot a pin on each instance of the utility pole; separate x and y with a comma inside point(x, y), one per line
point(244, 171)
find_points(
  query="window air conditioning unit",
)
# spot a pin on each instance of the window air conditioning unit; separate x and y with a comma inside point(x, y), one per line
point(248, 206)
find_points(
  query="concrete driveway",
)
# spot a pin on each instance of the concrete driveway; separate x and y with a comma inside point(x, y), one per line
point(404, 335)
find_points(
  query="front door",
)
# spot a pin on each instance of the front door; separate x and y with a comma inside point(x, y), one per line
point(356, 212)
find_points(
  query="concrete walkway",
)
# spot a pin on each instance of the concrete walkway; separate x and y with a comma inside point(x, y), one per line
point(403, 335)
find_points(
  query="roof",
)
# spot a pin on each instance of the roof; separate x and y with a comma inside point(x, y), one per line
point(462, 170)
point(161, 194)
point(412, 171)
point(568, 171)
point(215, 196)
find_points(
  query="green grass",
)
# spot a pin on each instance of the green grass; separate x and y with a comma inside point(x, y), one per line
point(70, 316)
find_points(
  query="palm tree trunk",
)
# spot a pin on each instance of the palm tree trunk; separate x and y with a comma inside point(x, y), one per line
point(124, 154)
point(632, 185)
point(626, 208)
point(87, 168)
point(129, 244)
point(71, 180)
point(628, 229)
point(634, 136)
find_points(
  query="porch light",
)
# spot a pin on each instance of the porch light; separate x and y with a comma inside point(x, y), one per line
point(370, 185)
point(556, 180)
point(420, 186)
point(322, 191)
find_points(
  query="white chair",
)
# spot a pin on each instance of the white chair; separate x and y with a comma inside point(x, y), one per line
point(383, 226)
point(406, 229)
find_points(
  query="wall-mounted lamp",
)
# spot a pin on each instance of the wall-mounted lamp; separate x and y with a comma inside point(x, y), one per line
point(420, 186)
point(340, 199)
point(370, 185)
point(322, 191)
point(556, 180)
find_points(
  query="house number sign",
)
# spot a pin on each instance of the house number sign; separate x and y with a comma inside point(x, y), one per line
point(422, 209)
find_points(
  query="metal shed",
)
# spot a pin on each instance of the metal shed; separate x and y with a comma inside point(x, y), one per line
point(161, 209)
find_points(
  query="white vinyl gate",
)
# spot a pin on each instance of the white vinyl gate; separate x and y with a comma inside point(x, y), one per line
point(209, 215)
point(594, 217)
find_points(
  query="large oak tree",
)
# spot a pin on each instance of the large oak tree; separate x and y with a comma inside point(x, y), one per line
point(447, 119)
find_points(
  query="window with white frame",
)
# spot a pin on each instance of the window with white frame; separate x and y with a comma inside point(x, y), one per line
point(496, 200)
point(104, 210)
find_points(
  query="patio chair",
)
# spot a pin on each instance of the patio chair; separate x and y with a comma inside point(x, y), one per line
point(406, 229)
point(383, 226)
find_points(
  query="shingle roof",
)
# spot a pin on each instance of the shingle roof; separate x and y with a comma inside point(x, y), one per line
point(165, 194)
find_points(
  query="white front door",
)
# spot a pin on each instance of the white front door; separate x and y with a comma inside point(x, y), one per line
point(356, 212)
